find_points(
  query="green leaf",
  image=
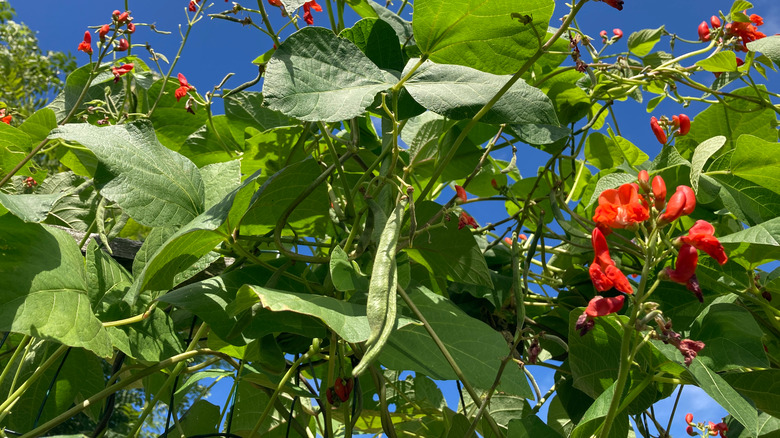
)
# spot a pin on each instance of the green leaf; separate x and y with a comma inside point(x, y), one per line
point(219, 180)
point(602, 152)
point(269, 151)
point(172, 123)
point(381, 307)
point(530, 426)
point(38, 125)
point(245, 109)
point(201, 418)
point(14, 139)
point(378, 41)
point(154, 185)
point(107, 280)
point(481, 34)
point(363, 8)
point(750, 202)
point(151, 340)
point(754, 246)
point(459, 92)
point(42, 266)
point(739, 6)
point(345, 275)
point(317, 76)
point(29, 208)
point(642, 42)
point(447, 251)
point(211, 143)
point(725, 395)
point(346, 319)
point(701, 154)
point(769, 46)
point(719, 62)
point(757, 160)
point(475, 347)
point(279, 192)
point(761, 387)
point(732, 338)
point(594, 418)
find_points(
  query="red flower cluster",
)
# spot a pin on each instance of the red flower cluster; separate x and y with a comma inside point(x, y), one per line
point(307, 7)
point(184, 87)
point(681, 123)
point(712, 429)
point(119, 19)
point(86, 45)
point(743, 31)
point(121, 70)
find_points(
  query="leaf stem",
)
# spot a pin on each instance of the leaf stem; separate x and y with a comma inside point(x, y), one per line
point(14, 397)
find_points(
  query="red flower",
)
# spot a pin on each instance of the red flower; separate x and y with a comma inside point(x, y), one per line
point(643, 178)
point(466, 219)
point(701, 236)
point(123, 17)
point(659, 192)
point(86, 45)
point(682, 203)
point(689, 418)
point(715, 22)
point(690, 349)
point(720, 428)
point(685, 270)
point(660, 135)
point(617, 4)
point(130, 28)
point(603, 272)
point(307, 7)
point(756, 19)
point(621, 207)
point(184, 87)
point(618, 33)
point(684, 122)
point(704, 31)
point(276, 3)
point(603, 34)
point(121, 70)
point(461, 193)
point(192, 6)
point(122, 46)
point(689, 431)
point(601, 306)
point(103, 31)
point(7, 119)
point(745, 31)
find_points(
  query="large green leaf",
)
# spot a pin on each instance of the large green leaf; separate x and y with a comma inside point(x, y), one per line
point(45, 292)
point(761, 387)
point(606, 153)
point(769, 46)
point(271, 150)
point(482, 34)
point(38, 125)
point(211, 143)
point(459, 92)
point(152, 339)
point(594, 418)
point(29, 208)
point(447, 251)
point(377, 39)
point(154, 185)
point(14, 144)
point(703, 152)
point(719, 62)
point(315, 75)
point(476, 348)
point(642, 42)
point(757, 160)
point(756, 245)
point(530, 426)
point(750, 202)
point(720, 391)
point(245, 109)
point(172, 123)
point(732, 338)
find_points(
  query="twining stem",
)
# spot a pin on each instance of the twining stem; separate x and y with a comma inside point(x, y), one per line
point(17, 351)
point(14, 397)
point(450, 360)
point(176, 371)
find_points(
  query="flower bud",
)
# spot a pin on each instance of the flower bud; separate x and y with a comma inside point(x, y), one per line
point(660, 135)
point(644, 179)
point(122, 46)
point(130, 28)
point(689, 431)
point(704, 31)
point(103, 31)
point(684, 124)
point(618, 33)
point(461, 194)
point(689, 418)
point(603, 35)
point(123, 17)
point(715, 21)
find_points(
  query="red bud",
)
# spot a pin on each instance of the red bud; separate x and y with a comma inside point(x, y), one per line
point(704, 31)
point(715, 22)
point(660, 135)
point(684, 124)
point(659, 192)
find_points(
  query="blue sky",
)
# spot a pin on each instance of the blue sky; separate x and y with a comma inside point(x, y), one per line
point(217, 47)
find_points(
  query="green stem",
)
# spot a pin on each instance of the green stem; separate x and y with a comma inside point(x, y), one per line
point(19, 348)
point(6, 406)
point(169, 381)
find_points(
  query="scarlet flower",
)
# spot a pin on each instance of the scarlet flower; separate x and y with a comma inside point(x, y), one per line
point(660, 135)
point(7, 119)
point(659, 192)
point(603, 34)
point(621, 207)
point(740, 62)
point(86, 45)
point(192, 6)
point(184, 87)
point(715, 21)
point(618, 33)
point(122, 46)
point(103, 31)
point(465, 219)
point(307, 7)
point(461, 193)
point(276, 3)
point(756, 19)
point(684, 271)
point(30, 182)
point(603, 271)
point(704, 31)
point(123, 17)
point(121, 70)
point(720, 428)
point(116, 13)
point(601, 306)
point(682, 203)
point(701, 236)
point(130, 28)
point(689, 418)
point(745, 31)
point(684, 122)
point(617, 4)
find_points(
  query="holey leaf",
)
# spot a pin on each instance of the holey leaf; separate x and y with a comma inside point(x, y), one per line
point(317, 76)
point(481, 34)
point(153, 184)
point(459, 92)
point(44, 292)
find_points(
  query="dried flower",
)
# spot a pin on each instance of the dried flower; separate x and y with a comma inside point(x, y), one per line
point(465, 219)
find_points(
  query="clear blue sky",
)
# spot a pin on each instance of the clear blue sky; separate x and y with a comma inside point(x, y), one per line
point(217, 47)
